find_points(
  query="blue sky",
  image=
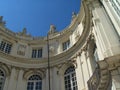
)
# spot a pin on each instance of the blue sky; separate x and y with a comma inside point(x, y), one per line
point(37, 15)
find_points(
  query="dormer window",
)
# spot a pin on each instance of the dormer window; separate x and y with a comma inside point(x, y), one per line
point(66, 45)
point(37, 53)
point(5, 46)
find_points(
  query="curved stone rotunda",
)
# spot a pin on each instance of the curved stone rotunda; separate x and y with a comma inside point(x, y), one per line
point(83, 56)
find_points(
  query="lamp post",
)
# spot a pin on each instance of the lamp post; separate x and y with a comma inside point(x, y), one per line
point(48, 61)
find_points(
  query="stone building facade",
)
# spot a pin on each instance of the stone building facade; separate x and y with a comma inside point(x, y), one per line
point(83, 56)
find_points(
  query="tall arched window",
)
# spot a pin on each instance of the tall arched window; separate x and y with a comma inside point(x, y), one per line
point(70, 79)
point(2, 79)
point(34, 83)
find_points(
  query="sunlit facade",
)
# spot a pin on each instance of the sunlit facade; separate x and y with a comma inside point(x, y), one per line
point(83, 56)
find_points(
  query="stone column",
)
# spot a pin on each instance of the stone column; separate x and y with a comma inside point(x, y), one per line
point(20, 80)
point(12, 81)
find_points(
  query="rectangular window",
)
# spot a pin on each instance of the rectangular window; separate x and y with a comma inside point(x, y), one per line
point(66, 45)
point(37, 53)
point(5, 46)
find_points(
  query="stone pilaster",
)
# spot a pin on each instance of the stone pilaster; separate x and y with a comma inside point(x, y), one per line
point(12, 81)
point(6, 84)
point(55, 79)
point(79, 74)
point(20, 80)
point(84, 67)
point(108, 41)
point(61, 82)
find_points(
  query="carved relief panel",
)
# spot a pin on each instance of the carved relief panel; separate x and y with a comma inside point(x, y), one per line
point(21, 49)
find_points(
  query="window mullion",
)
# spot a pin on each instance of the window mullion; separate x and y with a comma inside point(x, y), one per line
point(71, 82)
point(34, 85)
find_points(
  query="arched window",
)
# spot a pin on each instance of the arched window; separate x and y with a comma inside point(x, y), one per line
point(2, 79)
point(70, 79)
point(34, 83)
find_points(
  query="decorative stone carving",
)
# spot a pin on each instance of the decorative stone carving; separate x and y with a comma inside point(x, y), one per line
point(63, 66)
point(5, 68)
point(2, 23)
point(77, 35)
point(21, 49)
point(52, 29)
point(24, 33)
point(29, 72)
point(73, 15)
point(52, 49)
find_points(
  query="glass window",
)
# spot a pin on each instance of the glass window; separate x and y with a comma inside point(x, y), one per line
point(66, 45)
point(34, 83)
point(70, 79)
point(2, 79)
point(36, 53)
point(5, 46)
point(115, 4)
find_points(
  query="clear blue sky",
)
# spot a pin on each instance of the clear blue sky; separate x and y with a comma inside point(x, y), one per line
point(37, 15)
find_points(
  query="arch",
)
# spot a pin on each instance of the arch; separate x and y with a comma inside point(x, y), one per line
point(62, 67)
point(70, 69)
point(5, 68)
point(34, 82)
point(2, 79)
point(30, 72)
point(70, 79)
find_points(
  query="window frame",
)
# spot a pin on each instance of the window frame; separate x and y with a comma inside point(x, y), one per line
point(37, 53)
point(36, 82)
point(5, 46)
point(66, 45)
point(70, 79)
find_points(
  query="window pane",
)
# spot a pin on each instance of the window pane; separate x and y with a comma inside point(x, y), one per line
point(34, 52)
point(70, 79)
point(5, 46)
point(34, 83)
point(66, 45)
point(39, 53)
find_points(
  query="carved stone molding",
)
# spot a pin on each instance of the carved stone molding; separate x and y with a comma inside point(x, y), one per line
point(113, 62)
point(29, 72)
point(63, 66)
point(5, 68)
point(101, 78)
